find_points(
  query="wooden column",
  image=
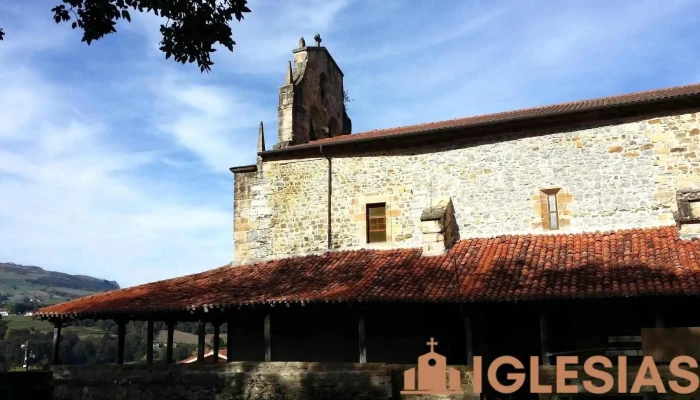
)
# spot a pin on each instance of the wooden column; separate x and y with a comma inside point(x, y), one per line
point(229, 341)
point(659, 318)
point(216, 342)
point(200, 342)
point(469, 339)
point(56, 342)
point(149, 343)
point(169, 349)
point(268, 342)
point(544, 338)
point(362, 338)
point(121, 336)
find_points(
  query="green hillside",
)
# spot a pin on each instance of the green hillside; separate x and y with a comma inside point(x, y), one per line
point(22, 322)
point(19, 282)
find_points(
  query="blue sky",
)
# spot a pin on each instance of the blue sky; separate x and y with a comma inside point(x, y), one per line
point(114, 162)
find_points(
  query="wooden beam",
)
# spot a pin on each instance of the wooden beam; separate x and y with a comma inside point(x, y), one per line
point(169, 349)
point(149, 342)
point(200, 342)
point(268, 342)
point(544, 338)
point(469, 339)
point(121, 336)
point(56, 342)
point(229, 340)
point(362, 338)
point(216, 342)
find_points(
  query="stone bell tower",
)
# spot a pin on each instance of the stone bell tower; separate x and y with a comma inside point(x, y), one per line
point(311, 102)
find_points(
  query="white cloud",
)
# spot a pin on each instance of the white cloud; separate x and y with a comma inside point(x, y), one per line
point(75, 201)
point(114, 161)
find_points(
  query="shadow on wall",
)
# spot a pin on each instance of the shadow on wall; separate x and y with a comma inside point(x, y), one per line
point(26, 385)
point(235, 381)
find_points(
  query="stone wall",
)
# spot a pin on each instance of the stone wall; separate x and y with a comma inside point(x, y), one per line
point(621, 175)
point(281, 381)
point(311, 103)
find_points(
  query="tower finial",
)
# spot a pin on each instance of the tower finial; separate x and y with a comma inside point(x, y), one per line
point(302, 43)
point(318, 39)
point(261, 138)
point(288, 79)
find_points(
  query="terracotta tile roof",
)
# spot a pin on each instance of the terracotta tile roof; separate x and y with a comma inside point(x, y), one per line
point(522, 114)
point(638, 262)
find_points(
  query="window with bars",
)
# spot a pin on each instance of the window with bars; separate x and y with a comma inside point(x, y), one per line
point(553, 212)
point(376, 223)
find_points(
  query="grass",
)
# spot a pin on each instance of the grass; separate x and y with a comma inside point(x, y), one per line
point(178, 337)
point(22, 322)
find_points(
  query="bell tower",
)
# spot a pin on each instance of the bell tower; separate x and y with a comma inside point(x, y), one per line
point(311, 101)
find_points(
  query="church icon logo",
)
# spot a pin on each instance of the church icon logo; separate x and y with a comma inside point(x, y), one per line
point(432, 375)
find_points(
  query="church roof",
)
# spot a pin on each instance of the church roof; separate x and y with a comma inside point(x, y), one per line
point(626, 263)
point(630, 99)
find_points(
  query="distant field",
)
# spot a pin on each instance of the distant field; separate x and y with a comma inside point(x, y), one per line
point(178, 337)
point(22, 322)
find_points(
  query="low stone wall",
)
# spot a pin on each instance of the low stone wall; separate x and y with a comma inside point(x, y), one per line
point(26, 385)
point(248, 380)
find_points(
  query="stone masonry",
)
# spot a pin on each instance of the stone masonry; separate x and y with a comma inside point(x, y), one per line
point(311, 102)
point(622, 175)
point(237, 381)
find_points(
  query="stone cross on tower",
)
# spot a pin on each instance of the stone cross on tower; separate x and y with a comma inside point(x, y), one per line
point(318, 39)
point(432, 343)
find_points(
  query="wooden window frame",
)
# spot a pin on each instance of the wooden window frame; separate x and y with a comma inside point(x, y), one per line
point(551, 195)
point(368, 221)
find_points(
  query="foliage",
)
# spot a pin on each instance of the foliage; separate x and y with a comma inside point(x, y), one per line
point(346, 97)
point(192, 29)
point(59, 279)
point(77, 349)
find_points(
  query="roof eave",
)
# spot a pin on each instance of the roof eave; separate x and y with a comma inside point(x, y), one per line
point(543, 117)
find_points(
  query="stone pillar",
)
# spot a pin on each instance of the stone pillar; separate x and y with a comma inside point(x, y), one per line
point(362, 339)
point(149, 343)
point(268, 338)
point(56, 342)
point(469, 339)
point(229, 341)
point(544, 338)
point(200, 341)
point(216, 342)
point(169, 350)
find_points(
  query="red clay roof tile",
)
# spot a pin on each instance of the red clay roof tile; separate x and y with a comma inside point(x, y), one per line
point(522, 114)
point(637, 262)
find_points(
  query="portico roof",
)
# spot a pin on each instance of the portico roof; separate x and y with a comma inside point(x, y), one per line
point(625, 263)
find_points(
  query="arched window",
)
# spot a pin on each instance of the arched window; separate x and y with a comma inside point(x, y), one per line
point(315, 124)
point(333, 128)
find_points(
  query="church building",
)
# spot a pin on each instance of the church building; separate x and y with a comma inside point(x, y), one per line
point(561, 229)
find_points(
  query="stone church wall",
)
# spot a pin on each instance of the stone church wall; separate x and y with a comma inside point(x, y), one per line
point(609, 177)
point(234, 381)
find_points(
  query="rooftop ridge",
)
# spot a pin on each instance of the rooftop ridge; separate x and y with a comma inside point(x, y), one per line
point(640, 97)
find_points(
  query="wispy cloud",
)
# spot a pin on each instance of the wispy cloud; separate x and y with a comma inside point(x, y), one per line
point(114, 162)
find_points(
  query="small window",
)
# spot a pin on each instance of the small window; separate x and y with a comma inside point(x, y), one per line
point(376, 223)
point(553, 213)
